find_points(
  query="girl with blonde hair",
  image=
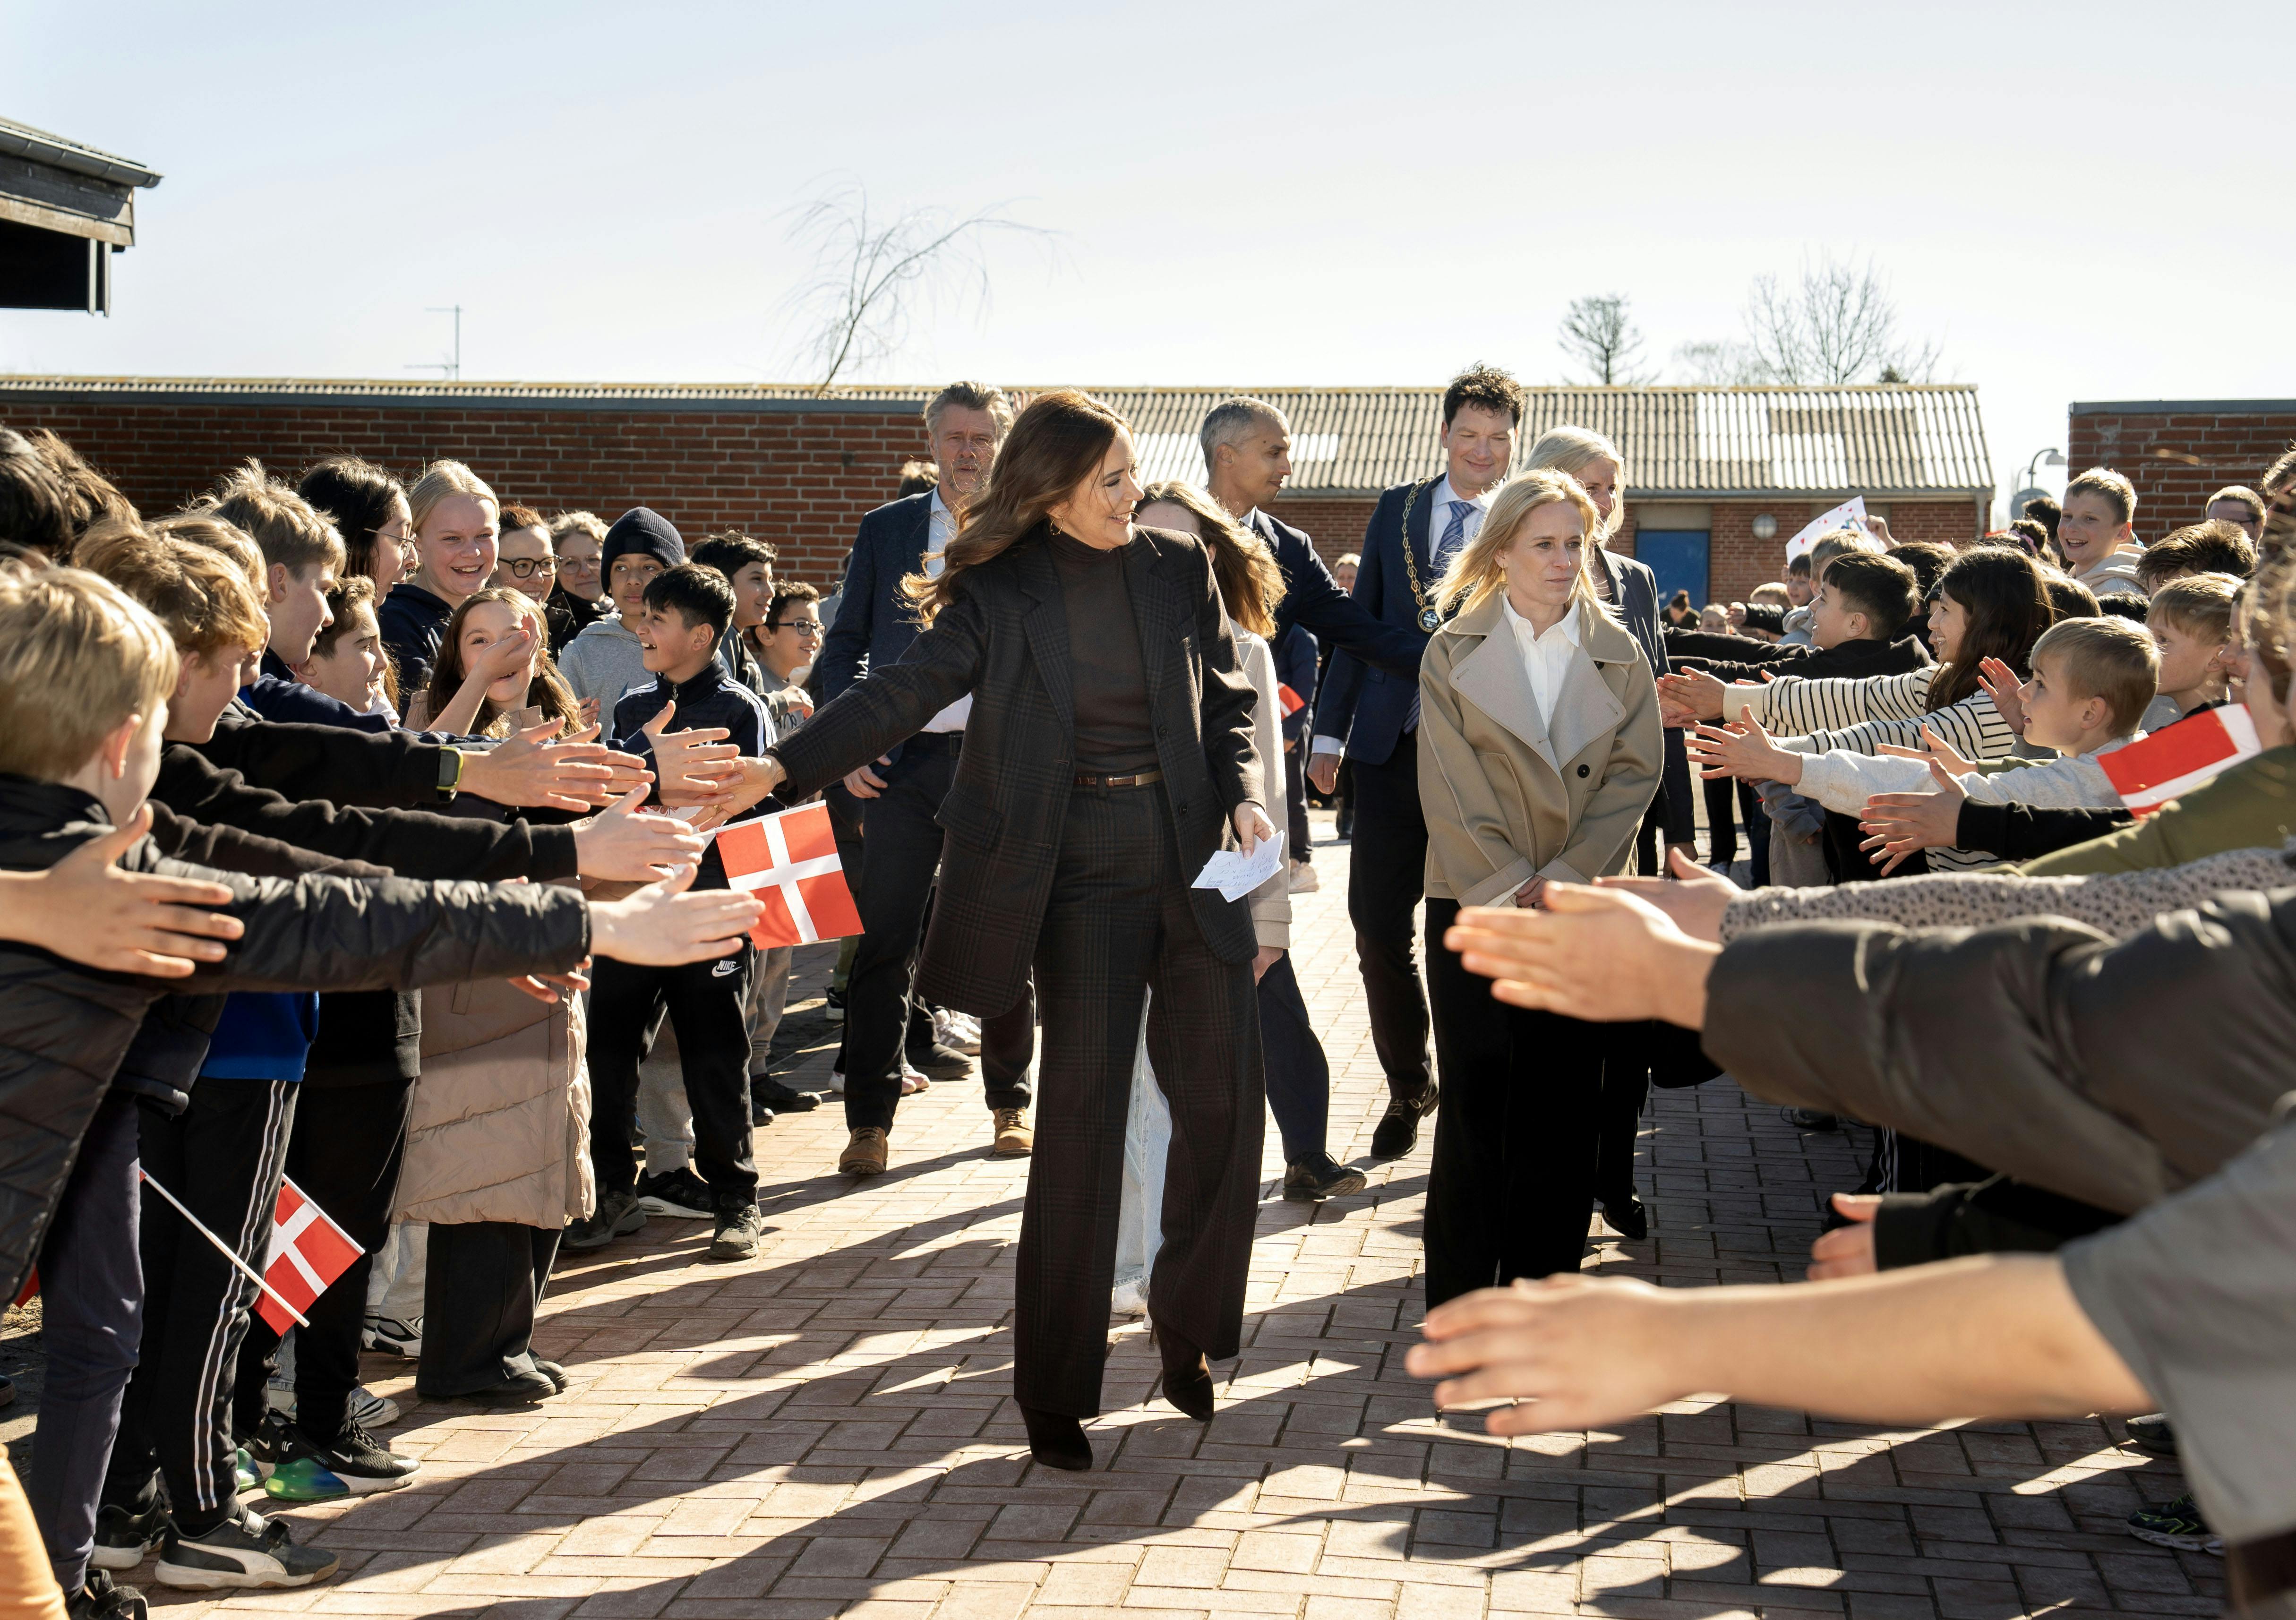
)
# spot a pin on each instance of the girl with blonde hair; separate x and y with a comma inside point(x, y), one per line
point(1539, 753)
point(456, 526)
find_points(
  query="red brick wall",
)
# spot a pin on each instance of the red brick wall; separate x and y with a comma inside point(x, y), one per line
point(2156, 449)
point(800, 480)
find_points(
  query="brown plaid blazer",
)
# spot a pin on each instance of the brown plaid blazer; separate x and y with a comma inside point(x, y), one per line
point(1005, 640)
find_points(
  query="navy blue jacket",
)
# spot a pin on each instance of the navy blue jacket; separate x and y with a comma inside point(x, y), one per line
point(277, 695)
point(712, 698)
point(1295, 653)
point(1313, 598)
point(413, 623)
point(875, 623)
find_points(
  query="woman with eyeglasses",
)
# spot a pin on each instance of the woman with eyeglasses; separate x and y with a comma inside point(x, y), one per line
point(370, 509)
point(523, 559)
point(577, 539)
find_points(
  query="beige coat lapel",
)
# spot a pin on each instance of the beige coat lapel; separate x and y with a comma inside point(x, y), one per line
point(1493, 679)
point(1587, 708)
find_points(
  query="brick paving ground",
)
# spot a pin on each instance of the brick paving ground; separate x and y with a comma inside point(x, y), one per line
point(828, 1430)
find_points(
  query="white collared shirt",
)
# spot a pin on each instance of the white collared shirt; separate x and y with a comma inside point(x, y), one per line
point(1439, 519)
point(1545, 658)
point(939, 530)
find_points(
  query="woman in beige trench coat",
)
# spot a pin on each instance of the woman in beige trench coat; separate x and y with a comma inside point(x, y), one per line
point(1539, 750)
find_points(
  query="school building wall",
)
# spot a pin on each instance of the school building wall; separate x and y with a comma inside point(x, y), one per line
point(2180, 452)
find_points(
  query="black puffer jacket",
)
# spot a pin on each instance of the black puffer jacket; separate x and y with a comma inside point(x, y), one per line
point(65, 1030)
point(2112, 1073)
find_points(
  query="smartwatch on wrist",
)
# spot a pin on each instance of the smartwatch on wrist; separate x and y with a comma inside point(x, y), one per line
point(450, 773)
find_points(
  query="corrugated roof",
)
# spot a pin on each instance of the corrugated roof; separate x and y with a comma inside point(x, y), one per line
point(23, 140)
point(1879, 439)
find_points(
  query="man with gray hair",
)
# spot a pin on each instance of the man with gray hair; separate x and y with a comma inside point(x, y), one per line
point(887, 1034)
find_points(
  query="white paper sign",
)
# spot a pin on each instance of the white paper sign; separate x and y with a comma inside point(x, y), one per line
point(1850, 514)
point(1236, 874)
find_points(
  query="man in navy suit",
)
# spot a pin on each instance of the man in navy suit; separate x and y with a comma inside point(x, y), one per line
point(899, 799)
point(1373, 713)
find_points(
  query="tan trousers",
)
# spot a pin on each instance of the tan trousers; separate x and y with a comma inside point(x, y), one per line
point(27, 1587)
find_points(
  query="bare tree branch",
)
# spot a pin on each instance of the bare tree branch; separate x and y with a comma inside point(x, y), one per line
point(1837, 325)
point(874, 277)
point(1717, 364)
point(1599, 334)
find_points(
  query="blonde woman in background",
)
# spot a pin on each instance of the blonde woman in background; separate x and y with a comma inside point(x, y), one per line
point(456, 521)
point(1539, 752)
point(1630, 590)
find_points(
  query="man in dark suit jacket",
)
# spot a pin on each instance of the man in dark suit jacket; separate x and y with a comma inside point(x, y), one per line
point(1415, 532)
point(895, 804)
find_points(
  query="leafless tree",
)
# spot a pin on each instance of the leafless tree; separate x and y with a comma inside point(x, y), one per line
point(1598, 333)
point(1837, 325)
point(1717, 364)
point(874, 276)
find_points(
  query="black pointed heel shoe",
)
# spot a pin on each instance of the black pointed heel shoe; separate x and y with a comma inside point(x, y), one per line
point(1187, 1375)
point(1057, 1441)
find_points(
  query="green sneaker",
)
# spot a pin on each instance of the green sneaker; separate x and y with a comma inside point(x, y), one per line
point(2179, 1525)
point(246, 1473)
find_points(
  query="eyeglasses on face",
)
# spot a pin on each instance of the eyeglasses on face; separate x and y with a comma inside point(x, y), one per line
point(527, 568)
point(803, 626)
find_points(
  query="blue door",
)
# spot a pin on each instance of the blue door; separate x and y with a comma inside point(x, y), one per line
point(1678, 556)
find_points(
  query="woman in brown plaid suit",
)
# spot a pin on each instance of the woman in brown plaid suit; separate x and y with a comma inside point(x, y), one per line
point(1108, 755)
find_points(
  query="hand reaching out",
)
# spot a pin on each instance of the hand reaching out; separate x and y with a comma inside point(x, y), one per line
point(1744, 750)
point(1691, 694)
point(2002, 684)
point(1694, 898)
point(1902, 824)
point(1592, 953)
point(85, 910)
point(1935, 750)
point(1847, 1251)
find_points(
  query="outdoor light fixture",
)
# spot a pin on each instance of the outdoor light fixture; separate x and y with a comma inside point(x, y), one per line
point(1766, 527)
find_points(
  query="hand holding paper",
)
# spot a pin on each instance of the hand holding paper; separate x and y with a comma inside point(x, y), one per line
point(1236, 874)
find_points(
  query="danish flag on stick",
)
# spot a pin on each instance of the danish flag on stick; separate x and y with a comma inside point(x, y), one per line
point(1292, 701)
point(790, 862)
point(2178, 758)
point(308, 1252)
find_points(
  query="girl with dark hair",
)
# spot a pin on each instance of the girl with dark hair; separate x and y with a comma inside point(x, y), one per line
point(1108, 755)
point(370, 509)
point(493, 674)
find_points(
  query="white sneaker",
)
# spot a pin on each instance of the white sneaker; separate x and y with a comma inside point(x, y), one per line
point(389, 1336)
point(954, 1029)
point(911, 1081)
point(837, 1083)
point(1129, 1298)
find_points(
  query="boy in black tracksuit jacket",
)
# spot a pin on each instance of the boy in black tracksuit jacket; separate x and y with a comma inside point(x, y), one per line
point(689, 610)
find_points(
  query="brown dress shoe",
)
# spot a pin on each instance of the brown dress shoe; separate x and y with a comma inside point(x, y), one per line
point(1014, 1139)
point(864, 1155)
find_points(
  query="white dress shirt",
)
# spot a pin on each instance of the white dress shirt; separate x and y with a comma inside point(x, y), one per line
point(1545, 658)
point(939, 533)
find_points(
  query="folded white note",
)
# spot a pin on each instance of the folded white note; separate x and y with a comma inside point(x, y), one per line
point(1236, 874)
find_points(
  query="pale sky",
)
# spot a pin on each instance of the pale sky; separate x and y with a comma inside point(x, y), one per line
point(2077, 202)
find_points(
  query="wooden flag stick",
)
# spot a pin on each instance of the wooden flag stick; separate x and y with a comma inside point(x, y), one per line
point(222, 1248)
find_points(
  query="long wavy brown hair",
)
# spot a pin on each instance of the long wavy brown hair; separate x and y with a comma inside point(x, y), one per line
point(1058, 442)
point(545, 689)
point(1250, 584)
point(2007, 600)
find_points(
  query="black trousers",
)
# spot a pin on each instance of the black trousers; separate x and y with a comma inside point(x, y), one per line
point(482, 1284)
point(222, 1156)
point(1385, 880)
point(91, 1300)
point(705, 1004)
point(1119, 924)
point(1299, 1074)
point(1626, 1086)
point(1511, 1188)
point(903, 844)
point(1671, 811)
point(344, 1153)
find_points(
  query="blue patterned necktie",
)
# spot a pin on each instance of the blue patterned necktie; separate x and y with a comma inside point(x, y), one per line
point(1454, 535)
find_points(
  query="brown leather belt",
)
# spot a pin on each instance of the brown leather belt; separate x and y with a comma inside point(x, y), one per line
point(2260, 1569)
point(1138, 779)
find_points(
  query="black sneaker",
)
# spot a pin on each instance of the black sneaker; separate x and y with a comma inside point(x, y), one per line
point(618, 1215)
point(249, 1550)
point(1626, 1216)
point(833, 1006)
point(2178, 1523)
point(938, 1063)
point(1398, 1131)
point(102, 1600)
point(351, 1464)
point(125, 1536)
point(739, 1228)
point(1311, 1181)
point(516, 1389)
point(678, 1193)
point(767, 1092)
point(1811, 1119)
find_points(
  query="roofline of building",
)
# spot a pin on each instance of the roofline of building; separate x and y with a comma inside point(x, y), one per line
point(2183, 407)
point(450, 395)
point(23, 140)
point(624, 395)
point(1635, 495)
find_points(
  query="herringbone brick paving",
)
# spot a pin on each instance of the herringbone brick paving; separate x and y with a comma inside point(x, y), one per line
point(828, 1430)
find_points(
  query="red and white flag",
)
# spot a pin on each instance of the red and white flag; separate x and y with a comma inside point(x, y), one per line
point(308, 1252)
point(1292, 701)
point(2178, 758)
point(790, 862)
